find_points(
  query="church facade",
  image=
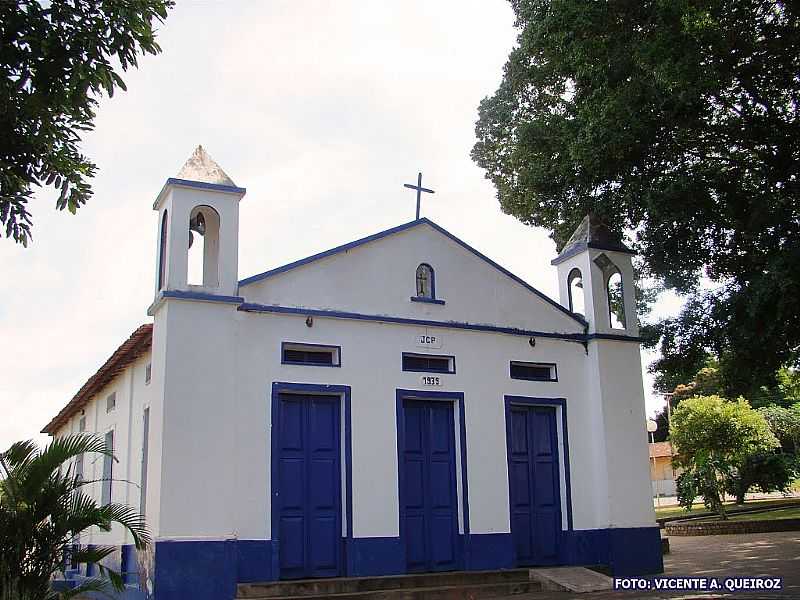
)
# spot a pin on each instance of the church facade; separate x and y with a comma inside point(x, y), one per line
point(398, 404)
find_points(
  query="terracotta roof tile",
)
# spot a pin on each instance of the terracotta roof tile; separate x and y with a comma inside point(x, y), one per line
point(659, 449)
point(137, 344)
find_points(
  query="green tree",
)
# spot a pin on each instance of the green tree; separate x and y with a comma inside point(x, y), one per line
point(785, 424)
point(677, 122)
point(56, 60)
point(713, 438)
point(767, 471)
point(42, 509)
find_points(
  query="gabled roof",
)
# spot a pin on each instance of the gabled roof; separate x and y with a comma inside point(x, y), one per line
point(136, 345)
point(398, 229)
point(592, 233)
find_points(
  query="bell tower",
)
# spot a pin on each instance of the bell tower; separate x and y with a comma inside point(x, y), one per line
point(595, 278)
point(198, 242)
point(595, 274)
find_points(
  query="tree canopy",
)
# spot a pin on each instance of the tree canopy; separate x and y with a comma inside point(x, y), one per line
point(715, 439)
point(678, 123)
point(56, 60)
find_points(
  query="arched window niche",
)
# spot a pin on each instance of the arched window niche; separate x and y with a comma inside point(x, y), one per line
point(203, 250)
point(616, 299)
point(426, 284)
point(575, 291)
point(162, 252)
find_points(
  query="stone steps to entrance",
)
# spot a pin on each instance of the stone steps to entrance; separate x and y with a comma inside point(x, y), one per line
point(454, 585)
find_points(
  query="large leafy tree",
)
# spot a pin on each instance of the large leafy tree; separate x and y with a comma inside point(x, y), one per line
point(56, 60)
point(716, 441)
point(43, 507)
point(677, 121)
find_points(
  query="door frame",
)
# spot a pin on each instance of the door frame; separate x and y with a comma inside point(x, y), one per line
point(342, 392)
point(457, 399)
point(562, 447)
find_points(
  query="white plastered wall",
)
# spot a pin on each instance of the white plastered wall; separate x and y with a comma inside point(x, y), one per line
point(132, 395)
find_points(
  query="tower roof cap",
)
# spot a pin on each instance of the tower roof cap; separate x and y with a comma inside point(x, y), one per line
point(592, 233)
point(201, 167)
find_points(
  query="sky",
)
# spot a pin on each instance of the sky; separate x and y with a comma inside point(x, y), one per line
point(321, 109)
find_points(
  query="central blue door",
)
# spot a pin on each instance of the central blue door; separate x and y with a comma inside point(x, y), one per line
point(428, 497)
point(534, 484)
point(309, 486)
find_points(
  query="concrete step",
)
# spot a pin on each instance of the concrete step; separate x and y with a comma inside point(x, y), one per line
point(454, 585)
point(571, 579)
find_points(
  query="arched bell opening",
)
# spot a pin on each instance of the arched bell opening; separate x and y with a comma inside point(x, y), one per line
point(203, 248)
point(162, 251)
point(616, 299)
point(575, 291)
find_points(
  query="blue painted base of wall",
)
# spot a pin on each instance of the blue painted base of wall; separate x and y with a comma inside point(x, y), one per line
point(626, 551)
point(367, 557)
point(204, 570)
point(210, 570)
point(488, 551)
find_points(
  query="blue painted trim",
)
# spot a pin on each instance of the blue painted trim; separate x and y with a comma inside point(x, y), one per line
point(458, 398)
point(202, 185)
point(426, 300)
point(310, 345)
point(398, 229)
point(579, 247)
point(450, 357)
point(335, 314)
point(533, 364)
point(506, 272)
point(620, 337)
point(343, 392)
point(326, 253)
point(557, 402)
point(182, 295)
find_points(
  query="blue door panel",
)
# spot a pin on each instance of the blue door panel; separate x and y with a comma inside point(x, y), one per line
point(292, 544)
point(309, 501)
point(533, 476)
point(429, 503)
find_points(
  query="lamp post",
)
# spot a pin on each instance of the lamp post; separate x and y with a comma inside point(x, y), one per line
point(651, 429)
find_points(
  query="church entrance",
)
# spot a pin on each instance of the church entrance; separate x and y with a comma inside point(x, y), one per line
point(533, 476)
point(428, 493)
point(308, 477)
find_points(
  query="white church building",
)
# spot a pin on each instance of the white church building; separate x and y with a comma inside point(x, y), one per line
point(397, 404)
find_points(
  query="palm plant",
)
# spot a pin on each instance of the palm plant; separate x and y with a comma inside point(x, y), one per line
point(43, 508)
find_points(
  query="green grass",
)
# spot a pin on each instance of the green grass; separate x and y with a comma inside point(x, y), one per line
point(786, 513)
point(699, 509)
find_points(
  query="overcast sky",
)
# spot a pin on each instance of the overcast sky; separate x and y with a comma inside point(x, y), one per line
point(322, 110)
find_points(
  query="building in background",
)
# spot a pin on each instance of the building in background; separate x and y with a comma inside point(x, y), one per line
point(662, 473)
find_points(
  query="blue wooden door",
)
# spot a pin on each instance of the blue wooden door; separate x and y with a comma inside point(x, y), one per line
point(534, 484)
point(428, 497)
point(309, 487)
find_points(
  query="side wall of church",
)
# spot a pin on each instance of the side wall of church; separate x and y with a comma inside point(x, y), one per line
point(132, 395)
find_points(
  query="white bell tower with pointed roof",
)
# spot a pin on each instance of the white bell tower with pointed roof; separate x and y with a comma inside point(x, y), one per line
point(199, 206)
point(595, 266)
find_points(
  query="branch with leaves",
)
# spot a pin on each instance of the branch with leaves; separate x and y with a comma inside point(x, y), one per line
point(55, 63)
point(43, 508)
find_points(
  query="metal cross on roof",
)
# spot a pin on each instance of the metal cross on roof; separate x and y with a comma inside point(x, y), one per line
point(419, 189)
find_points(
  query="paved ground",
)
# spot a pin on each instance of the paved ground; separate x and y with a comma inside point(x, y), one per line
point(752, 555)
